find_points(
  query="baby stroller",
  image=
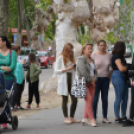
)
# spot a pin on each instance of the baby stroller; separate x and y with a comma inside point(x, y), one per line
point(5, 108)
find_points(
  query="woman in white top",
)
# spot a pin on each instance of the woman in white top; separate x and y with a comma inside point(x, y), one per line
point(65, 69)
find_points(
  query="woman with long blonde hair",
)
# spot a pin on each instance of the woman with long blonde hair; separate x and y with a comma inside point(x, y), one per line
point(86, 68)
point(65, 69)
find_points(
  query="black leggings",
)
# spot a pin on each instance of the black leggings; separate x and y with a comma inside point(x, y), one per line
point(65, 99)
point(18, 89)
point(33, 90)
point(132, 103)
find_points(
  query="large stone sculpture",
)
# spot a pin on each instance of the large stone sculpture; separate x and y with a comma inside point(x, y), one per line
point(104, 16)
point(70, 16)
point(100, 15)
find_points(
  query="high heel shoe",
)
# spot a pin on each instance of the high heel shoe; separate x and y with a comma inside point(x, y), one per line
point(93, 125)
point(84, 122)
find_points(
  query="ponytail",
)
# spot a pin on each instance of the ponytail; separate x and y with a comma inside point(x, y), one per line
point(8, 44)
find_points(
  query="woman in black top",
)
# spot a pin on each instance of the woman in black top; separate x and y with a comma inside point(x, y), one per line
point(119, 80)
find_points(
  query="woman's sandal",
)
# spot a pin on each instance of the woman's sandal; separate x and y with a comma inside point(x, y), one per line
point(68, 122)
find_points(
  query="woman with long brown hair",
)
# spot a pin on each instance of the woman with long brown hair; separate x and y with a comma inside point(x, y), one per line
point(65, 69)
point(86, 69)
point(119, 80)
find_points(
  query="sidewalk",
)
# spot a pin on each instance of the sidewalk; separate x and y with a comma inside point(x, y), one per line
point(51, 122)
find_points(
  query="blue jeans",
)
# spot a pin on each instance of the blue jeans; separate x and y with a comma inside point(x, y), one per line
point(9, 84)
point(121, 93)
point(102, 85)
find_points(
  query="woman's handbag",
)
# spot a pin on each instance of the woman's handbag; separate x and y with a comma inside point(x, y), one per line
point(79, 87)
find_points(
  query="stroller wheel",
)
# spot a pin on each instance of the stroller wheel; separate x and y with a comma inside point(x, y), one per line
point(14, 122)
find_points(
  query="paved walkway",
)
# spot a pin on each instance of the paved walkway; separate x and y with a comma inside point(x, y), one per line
point(51, 122)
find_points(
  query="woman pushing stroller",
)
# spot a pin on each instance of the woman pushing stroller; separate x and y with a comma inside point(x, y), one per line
point(8, 60)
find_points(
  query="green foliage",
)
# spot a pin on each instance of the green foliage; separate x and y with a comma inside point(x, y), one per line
point(84, 38)
point(47, 40)
point(49, 33)
point(123, 27)
point(30, 11)
point(121, 1)
point(10, 35)
point(110, 38)
point(44, 4)
point(38, 5)
point(13, 19)
point(37, 34)
point(66, 1)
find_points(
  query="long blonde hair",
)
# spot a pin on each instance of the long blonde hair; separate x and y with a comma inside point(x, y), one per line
point(66, 53)
point(84, 47)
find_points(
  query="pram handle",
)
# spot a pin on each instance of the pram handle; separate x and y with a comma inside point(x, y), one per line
point(10, 93)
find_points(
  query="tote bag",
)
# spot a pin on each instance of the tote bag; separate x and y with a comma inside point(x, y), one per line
point(79, 87)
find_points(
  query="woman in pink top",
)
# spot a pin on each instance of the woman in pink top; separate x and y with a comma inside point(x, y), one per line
point(102, 60)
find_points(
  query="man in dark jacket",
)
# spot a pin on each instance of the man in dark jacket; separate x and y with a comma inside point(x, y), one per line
point(130, 122)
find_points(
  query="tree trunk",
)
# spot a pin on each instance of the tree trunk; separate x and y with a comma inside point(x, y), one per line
point(67, 24)
point(41, 39)
point(4, 17)
point(28, 30)
point(21, 11)
point(22, 19)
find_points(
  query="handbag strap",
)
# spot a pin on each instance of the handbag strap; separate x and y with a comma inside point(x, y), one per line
point(76, 68)
point(77, 75)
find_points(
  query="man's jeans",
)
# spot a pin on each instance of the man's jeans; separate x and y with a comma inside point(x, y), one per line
point(121, 93)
